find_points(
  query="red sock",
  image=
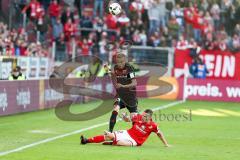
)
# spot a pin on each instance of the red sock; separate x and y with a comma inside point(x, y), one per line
point(97, 139)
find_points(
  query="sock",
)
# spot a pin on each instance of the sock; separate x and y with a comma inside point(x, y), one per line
point(97, 139)
point(112, 121)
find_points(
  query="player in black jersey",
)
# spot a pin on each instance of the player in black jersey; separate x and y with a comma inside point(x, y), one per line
point(125, 83)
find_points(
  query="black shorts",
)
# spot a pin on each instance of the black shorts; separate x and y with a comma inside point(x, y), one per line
point(131, 108)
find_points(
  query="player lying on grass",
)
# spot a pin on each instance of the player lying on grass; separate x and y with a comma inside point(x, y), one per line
point(142, 127)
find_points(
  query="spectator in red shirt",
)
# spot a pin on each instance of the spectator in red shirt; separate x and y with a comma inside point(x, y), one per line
point(54, 11)
point(189, 17)
point(111, 22)
point(33, 6)
point(23, 48)
point(85, 46)
point(69, 29)
point(182, 44)
point(10, 50)
point(198, 26)
point(40, 14)
point(188, 14)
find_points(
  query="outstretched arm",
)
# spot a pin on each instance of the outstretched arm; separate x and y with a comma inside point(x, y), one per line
point(162, 138)
point(125, 117)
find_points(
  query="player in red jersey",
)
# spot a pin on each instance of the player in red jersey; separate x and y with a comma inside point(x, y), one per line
point(142, 127)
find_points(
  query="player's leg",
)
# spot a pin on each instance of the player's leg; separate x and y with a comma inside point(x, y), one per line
point(113, 117)
point(132, 108)
point(118, 138)
point(117, 106)
point(96, 139)
point(107, 136)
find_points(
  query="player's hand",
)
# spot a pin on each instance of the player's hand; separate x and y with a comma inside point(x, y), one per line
point(106, 133)
point(123, 115)
point(167, 145)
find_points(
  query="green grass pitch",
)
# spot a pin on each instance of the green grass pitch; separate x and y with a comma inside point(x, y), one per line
point(212, 134)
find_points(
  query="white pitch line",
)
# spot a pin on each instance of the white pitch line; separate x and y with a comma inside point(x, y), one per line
point(76, 132)
point(168, 105)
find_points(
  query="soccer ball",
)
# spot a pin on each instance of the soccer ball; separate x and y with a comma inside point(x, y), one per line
point(115, 9)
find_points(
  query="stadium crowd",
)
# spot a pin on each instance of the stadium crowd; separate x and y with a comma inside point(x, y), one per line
point(15, 43)
point(209, 24)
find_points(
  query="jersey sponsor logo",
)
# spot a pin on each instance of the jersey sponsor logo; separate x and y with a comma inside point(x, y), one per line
point(141, 129)
point(130, 75)
point(121, 72)
point(121, 76)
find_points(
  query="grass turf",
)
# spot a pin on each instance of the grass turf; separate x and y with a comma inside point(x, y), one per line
point(213, 133)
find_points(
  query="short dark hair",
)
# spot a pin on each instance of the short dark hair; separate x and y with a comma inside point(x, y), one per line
point(149, 111)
